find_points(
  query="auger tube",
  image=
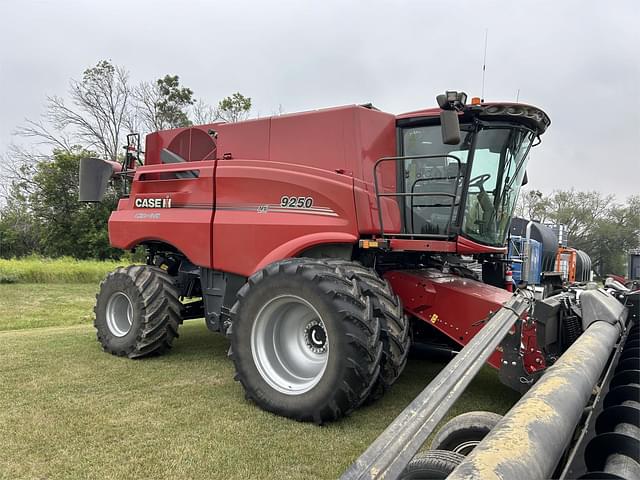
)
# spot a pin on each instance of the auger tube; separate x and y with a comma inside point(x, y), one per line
point(531, 438)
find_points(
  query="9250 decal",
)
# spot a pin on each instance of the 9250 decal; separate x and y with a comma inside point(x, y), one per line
point(296, 202)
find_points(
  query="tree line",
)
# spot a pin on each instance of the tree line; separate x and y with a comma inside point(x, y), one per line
point(40, 214)
point(599, 224)
point(39, 208)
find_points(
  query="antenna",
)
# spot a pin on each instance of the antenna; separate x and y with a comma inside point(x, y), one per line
point(517, 95)
point(484, 62)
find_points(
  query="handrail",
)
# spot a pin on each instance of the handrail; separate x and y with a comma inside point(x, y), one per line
point(453, 196)
point(413, 194)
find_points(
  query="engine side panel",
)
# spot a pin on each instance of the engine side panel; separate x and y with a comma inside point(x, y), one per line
point(348, 139)
point(177, 211)
point(267, 211)
point(376, 135)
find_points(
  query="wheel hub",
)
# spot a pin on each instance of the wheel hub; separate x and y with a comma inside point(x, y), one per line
point(315, 337)
point(119, 313)
point(289, 344)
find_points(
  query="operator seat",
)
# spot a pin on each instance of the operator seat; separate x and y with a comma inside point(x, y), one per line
point(431, 213)
point(480, 212)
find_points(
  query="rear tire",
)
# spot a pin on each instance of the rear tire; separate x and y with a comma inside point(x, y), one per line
point(304, 341)
point(394, 323)
point(432, 465)
point(461, 434)
point(137, 312)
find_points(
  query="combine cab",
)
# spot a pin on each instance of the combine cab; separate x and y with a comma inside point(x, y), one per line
point(322, 242)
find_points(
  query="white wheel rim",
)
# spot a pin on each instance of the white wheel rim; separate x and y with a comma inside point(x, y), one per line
point(290, 345)
point(466, 447)
point(119, 314)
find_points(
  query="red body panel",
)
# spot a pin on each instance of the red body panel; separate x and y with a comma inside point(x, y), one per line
point(186, 225)
point(454, 305)
point(422, 245)
point(464, 246)
point(251, 229)
point(248, 139)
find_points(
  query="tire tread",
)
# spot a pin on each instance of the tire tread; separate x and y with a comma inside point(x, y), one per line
point(363, 331)
point(394, 324)
point(160, 308)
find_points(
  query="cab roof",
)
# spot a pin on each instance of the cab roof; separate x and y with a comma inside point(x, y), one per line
point(529, 115)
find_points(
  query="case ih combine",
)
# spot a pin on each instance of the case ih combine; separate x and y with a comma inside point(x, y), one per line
point(323, 243)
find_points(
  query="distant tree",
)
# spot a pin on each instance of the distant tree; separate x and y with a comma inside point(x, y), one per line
point(174, 99)
point(99, 108)
point(579, 211)
point(234, 108)
point(66, 226)
point(103, 107)
point(532, 205)
point(16, 171)
point(46, 218)
point(203, 113)
point(613, 235)
point(163, 104)
point(230, 109)
point(596, 223)
point(19, 230)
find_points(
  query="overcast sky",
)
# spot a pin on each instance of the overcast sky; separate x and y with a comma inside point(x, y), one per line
point(578, 60)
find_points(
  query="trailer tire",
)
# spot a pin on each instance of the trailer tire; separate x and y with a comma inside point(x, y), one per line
point(137, 311)
point(462, 433)
point(432, 465)
point(395, 331)
point(304, 341)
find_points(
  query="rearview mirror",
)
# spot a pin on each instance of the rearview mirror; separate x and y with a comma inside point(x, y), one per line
point(450, 126)
point(95, 174)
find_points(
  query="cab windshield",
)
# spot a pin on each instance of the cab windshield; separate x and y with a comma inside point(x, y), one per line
point(492, 158)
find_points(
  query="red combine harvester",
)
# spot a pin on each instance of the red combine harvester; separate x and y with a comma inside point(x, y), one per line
point(321, 243)
point(316, 240)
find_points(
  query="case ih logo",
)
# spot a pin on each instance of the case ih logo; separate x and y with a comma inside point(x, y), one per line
point(153, 202)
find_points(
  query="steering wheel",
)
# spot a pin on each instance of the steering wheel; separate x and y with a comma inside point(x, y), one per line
point(479, 181)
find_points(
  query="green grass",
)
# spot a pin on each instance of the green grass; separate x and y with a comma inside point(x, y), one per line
point(68, 410)
point(60, 270)
point(25, 306)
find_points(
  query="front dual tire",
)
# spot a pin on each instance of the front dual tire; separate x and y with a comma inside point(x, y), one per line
point(314, 351)
point(319, 344)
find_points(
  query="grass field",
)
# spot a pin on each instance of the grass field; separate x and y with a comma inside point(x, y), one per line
point(68, 410)
point(60, 270)
point(42, 305)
